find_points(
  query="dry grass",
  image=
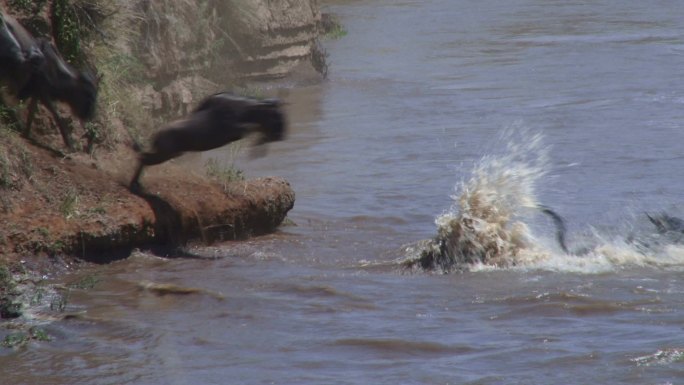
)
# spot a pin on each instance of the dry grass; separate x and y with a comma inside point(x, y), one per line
point(16, 167)
point(119, 71)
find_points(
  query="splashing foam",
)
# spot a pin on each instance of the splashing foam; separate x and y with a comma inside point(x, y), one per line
point(661, 357)
point(484, 228)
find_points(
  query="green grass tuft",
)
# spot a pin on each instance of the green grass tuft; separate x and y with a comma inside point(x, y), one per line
point(225, 172)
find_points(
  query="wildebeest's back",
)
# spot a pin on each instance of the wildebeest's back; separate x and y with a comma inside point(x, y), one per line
point(23, 36)
point(10, 50)
point(233, 104)
point(20, 57)
point(201, 131)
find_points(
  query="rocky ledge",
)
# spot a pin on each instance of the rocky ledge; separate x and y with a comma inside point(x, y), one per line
point(73, 205)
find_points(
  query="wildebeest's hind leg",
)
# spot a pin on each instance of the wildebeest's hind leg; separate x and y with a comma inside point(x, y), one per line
point(148, 159)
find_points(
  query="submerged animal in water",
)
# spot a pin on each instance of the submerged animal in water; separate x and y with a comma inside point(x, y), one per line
point(665, 223)
point(669, 231)
point(218, 120)
point(39, 73)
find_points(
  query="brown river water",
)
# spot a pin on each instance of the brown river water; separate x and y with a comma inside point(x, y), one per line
point(578, 105)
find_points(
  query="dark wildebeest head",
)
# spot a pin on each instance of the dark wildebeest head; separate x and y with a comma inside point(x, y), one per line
point(270, 120)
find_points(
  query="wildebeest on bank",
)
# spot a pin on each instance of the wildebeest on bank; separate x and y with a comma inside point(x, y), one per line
point(218, 120)
point(40, 73)
point(20, 55)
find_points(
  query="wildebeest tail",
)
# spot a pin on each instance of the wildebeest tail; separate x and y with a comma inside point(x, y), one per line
point(560, 225)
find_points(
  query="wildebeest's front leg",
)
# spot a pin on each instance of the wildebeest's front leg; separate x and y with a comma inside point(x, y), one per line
point(32, 108)
point(64, 129)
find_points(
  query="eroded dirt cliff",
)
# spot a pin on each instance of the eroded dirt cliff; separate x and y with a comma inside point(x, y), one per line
point(156, 60)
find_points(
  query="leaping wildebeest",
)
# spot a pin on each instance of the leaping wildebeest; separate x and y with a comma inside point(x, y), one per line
point(39, 73)
point(218, 120)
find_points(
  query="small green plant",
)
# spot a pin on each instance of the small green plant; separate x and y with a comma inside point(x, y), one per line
point(288, 222)
point(44, 232)
point(27, 6)
point(8, 308)
point(22, 338)
point(5, 173)
point(69, 204)
point(7, 283)
point(68, 30)
point(37, 297)
point(332, 28)
point(14, 340)
point(59, 303)
point(5, 112)
point(94, 134)
point(55, 248)
point(337, 32)
point(250, 91)
point(225, 173)
point(8, 117)
point(38, 334)
point(25, 163)
point(86, 283)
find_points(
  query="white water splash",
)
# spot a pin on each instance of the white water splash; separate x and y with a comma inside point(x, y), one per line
point(660, 358)
point(615, 254)
point(485, 228)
